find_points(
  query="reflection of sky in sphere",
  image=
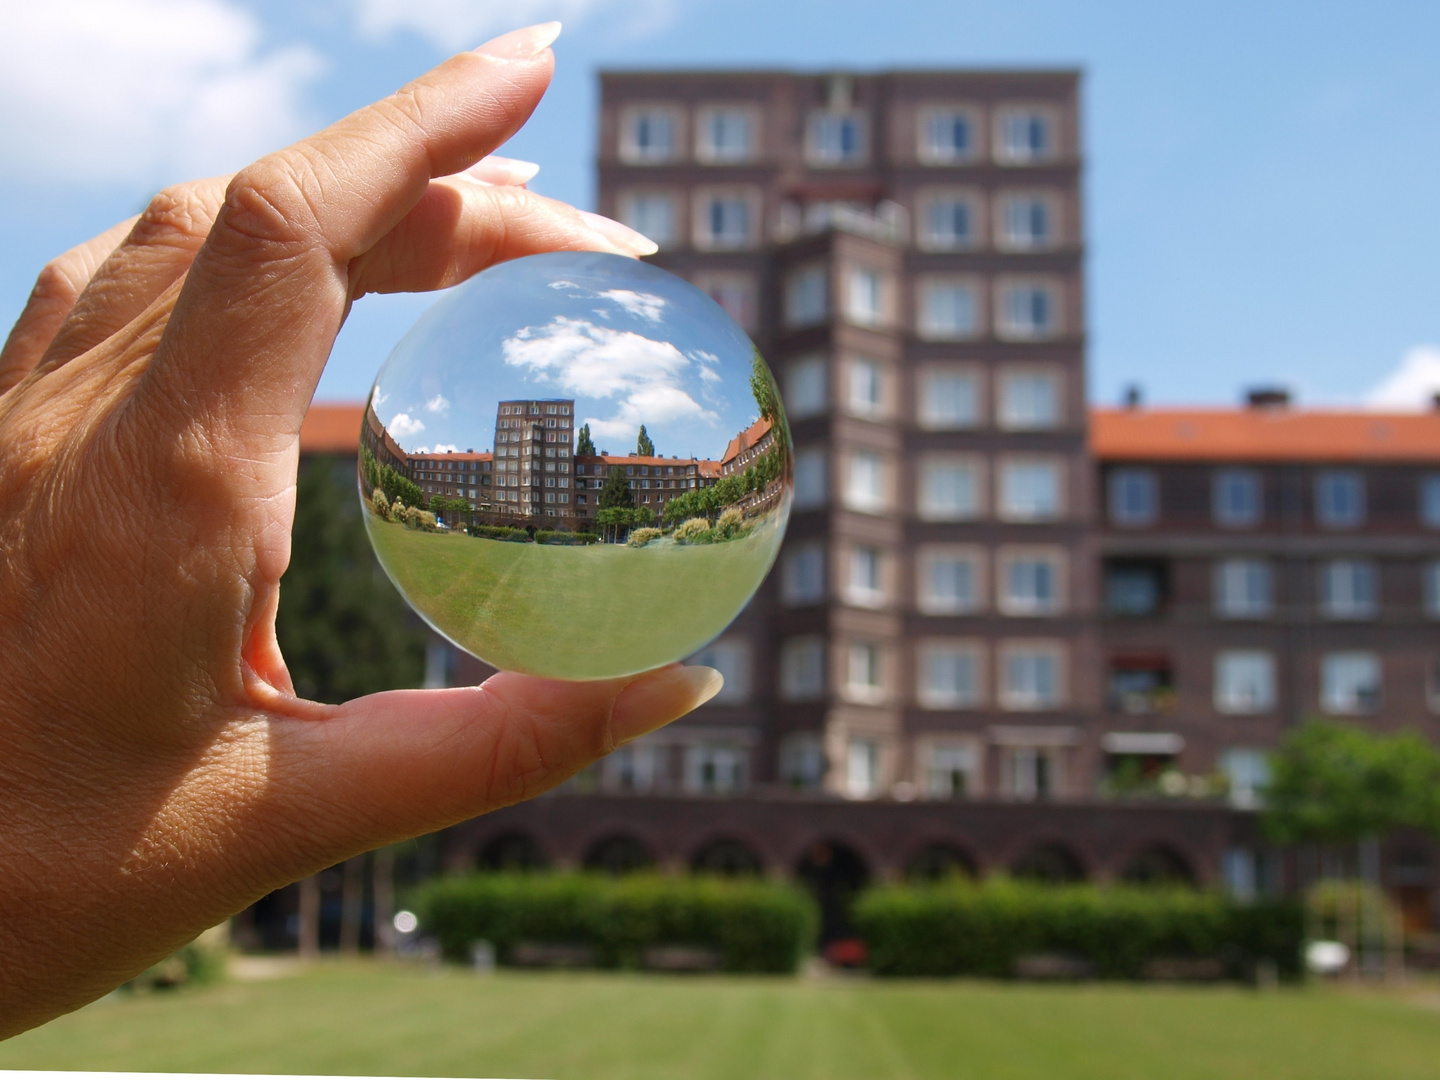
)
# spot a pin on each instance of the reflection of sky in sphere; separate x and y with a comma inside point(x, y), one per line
point(631, 343)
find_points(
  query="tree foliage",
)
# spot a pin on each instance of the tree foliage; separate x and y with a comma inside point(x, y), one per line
point(643, 445)
point(343, 628)
point(395, 485)
point(585, 445)
point(616, 490)
point(767, 397)
point(1335, 783)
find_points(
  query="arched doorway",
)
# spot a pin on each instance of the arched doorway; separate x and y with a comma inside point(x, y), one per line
point(1159, 866)
point(727, 858)
point(619, 855)
point(511, 853)
point(1049, 864)
point(834, 873)
point(939, 862)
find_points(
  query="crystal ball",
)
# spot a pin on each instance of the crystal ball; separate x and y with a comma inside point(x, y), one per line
point(576, 465)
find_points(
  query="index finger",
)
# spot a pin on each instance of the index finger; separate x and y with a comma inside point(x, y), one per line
point(254, 323)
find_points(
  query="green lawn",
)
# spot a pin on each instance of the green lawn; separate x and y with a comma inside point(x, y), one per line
point(367, 1019)
point(574, 612)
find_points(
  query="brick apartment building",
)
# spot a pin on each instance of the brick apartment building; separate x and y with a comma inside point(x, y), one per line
point(1005, 631)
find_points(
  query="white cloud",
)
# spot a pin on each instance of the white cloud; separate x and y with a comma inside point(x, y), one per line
point(437, 404)
point(377, 398)
point(143, 91)
point(444, 448)
point(646, 306)
point(1412, 385)
point(643, 377)
point(451, 25)
point(403, 426)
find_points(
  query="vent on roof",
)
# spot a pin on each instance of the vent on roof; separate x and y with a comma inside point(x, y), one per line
point(1268, 397)
point(1134, 397)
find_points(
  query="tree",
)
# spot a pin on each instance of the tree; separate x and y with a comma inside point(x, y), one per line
point(643, 446)
point(585, 446)
point(767, 397)
point(615, 492)
point(343, 628)
point(729, 489)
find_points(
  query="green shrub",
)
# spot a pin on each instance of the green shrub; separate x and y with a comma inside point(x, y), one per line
point(962, 928)
point(641, 537)
point(753, 926)
point(693, 531)
point(378, 500)
point(498, 532)
point(730, 524)
point(560, 536)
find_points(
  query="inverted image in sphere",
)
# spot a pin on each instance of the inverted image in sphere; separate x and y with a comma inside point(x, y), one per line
point(576, 465)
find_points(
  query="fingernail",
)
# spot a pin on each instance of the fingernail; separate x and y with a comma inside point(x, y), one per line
point(622, 236)
point(521, 44)
point(654, 699)
point(495, 169)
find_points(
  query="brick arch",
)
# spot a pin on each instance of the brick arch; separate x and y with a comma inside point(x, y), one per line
point(726, 853)
point(514, 849)
point(1158, 862)
point(1051, 860)
point(932, 858)
point(619, 851)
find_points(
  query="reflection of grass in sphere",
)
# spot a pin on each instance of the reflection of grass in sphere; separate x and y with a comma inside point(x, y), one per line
point(588, 612)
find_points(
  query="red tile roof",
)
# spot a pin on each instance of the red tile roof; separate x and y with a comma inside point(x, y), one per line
point(1260, 435)
point(331, 428)
point(746, 439)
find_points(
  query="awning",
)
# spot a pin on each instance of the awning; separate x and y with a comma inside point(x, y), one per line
point(1141, 742)
point(1016, 735)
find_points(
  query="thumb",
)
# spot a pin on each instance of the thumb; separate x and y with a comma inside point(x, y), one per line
point(398, 764)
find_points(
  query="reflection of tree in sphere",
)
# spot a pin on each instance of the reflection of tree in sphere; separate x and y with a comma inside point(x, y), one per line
point(494, 500)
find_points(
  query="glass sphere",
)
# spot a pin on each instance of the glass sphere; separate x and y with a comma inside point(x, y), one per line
point(576, 465)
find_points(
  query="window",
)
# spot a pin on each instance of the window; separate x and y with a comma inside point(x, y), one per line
point(717, 769)
point(1432, 589)
point(952, 771)
point(806, 393)
point(802, 574)
point(1350, 683)
point(802, 762)
point(1244, 681)
point(807, 299)
point(1349, 589)
point(726, 134)
point(948, 309)
point(865, 487)
point(862, 769)
point(1430, 500)
point(802, 669)
point(837, 139)
point(1339, 499)
point(811, 488)
point(1024, 136)
point(946, 136)
point(651, 214)
point(1033, 772)
point(1031, 582)
point(730, 657)
point(1139, 683)
point(1031, 676)
point(1027, 223)
point(1134, 587)
point(865, 384)
point(864, 584)
point(635, 767)
point(864, 298)
point(949, 399)
point(1029, 401)
point(1030, 491)
point(949, 488)
point(649, 136)
point(1133, 497)
point(863, 676)
point(948, 222)
point(725, 221)
point(1242, 589)
point(735, 292)
point(1235, 498)
point(1248, 772)
point(950, 675)
point(948, 580)
point(1028, 311)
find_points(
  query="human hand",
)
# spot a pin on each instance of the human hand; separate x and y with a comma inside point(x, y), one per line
point(157, 772)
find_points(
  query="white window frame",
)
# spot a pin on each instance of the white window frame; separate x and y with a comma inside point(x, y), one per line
point(865, 664)
point(1429, 500)
point(930, 328)
point(1233, 698)
point(1015, 698)
point(1008, 152)
point(1009, 239)
point(707, 152)
point(929, 558)
point(930, 693)
point(731, 656)
point(862, 463)
point(1013, 413)
point(1008, 509)
point(629, 203)
point(729, 763)
point(929, 399)
point(807, 296)
point(1330, 516)
point(802, 668)
point(1247, 769)
point(862, 767)
point(1349, 589)
point(630, 151)
point(1430, 588)
point(1340, 692)
point(866, 571)
point(1010, 561)
point(928, 238)
point(802, 761)
point(866, 379)
point(1122, 486)
point(705, 239)
point(819, 155)
point(1009, 327)
point(807, 386)
point(928, 152)
point(927, 485)
point(1243, 588)
point(802, 574)
point(866, 295)
point(812, 477)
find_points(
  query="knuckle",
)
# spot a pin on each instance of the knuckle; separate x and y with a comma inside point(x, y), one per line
point(55, 284)
point(179, 211)
point(273, 201)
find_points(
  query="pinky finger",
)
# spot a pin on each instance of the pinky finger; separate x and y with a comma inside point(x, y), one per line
point(56, 290)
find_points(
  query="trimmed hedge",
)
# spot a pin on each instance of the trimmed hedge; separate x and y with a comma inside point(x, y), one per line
point(560, 536)
point(961, 928)
point(753, 926)
point(498, 532)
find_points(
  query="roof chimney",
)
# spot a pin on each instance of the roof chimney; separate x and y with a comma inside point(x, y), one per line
point(1134, 398)
point(1267, 397)
point(1435, 401)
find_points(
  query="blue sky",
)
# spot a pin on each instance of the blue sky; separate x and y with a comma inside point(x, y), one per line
point(1260, 179)
point(630, 344)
